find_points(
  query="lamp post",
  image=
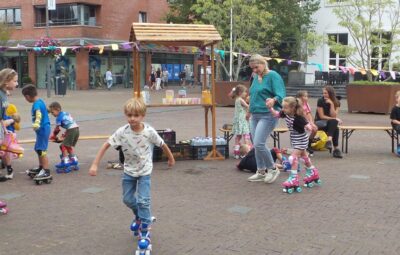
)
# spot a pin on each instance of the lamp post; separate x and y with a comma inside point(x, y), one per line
point(230, 51)
point(48, 82)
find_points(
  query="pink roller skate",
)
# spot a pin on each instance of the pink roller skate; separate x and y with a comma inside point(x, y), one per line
point(236, 152)
point(3, 208)
point(292, 184)
point(311, 177)
point(10, 144)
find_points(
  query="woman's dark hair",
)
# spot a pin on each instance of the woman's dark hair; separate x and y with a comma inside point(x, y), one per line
point(332, 95)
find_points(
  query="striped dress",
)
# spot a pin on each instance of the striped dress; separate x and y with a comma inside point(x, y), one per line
point(299, 140)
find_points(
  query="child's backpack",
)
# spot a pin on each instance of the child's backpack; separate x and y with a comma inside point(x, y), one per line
point(321, 138)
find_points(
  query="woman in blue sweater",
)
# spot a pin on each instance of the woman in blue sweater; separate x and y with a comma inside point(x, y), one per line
point(267, 90)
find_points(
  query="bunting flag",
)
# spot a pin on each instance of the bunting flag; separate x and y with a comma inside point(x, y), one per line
point(101, 49)
point(393, 74)
point(382, 74)
point(125, 46)
point(363, 71)
point(235, 54)
point(63, 50)
point(279, 60)
point(114, 46)
point(374, 72)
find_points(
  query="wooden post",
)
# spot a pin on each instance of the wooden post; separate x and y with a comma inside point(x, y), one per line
point(136, 73)
point(214, 154)
point(204, 87)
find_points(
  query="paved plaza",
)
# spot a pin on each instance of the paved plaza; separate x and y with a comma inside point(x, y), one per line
point(202, 207)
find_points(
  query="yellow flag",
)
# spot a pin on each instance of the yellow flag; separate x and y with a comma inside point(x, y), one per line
point(63, 50)
point(278, 60)
point(235, 54)
point(101, 49)
point(194, 49)
point(114, 46)
point(374, 72)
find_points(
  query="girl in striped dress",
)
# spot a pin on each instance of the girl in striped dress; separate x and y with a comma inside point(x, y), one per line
point(299, 127)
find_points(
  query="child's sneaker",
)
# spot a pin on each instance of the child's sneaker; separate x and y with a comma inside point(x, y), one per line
point(257, 177)
point(272, 175)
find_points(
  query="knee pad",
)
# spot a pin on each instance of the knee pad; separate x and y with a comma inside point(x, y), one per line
point(293, 159)
point(306, 160)
point(41, 153)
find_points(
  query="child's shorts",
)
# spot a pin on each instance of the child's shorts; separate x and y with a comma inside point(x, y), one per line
point(71, 137)
point(42, 138)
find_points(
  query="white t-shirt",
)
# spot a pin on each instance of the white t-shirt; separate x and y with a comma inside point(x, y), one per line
point(109, 76)
point(137, 148)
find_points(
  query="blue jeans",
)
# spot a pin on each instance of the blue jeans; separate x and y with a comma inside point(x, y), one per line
point(109, 83)
point(136, 195)
point(261, 125)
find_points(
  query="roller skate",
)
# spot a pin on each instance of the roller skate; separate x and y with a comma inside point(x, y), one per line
point(135, 226)
point(10, 144)
point(43, 176)
point(3, 207)
point(73, 161)
point(144, 243)
point(236, 152)
point(64, 165)
point(292, 184)
point(33, 172)
point(311, 177)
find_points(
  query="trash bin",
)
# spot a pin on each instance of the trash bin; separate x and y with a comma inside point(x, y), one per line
point(60, 85)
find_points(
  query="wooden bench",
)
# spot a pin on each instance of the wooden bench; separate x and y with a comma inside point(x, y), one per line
point(347, 131)
point(275, 135)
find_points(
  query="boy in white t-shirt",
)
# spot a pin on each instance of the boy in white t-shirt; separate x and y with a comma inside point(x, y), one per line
point(136, 139)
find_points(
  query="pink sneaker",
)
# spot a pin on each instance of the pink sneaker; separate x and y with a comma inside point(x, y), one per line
point(3, 204)
point(311, 177)
point(4, 210)
point(291, 184)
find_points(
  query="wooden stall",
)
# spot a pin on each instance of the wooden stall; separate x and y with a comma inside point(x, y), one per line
point(176, 35)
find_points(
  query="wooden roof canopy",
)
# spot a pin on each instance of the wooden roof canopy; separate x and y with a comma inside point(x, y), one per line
point(175, 34)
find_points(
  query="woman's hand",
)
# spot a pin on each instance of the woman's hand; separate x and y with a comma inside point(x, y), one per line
point(248, 115)
point(270, 102)
point(339, 121)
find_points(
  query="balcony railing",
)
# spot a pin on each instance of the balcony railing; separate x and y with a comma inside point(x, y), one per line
point(68, 22)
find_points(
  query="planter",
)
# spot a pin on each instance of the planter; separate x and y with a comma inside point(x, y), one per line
point(222, 89)
point(371, 98)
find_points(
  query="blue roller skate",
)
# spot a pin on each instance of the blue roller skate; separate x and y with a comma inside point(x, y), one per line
point(73, 162)
point(63, 166)
point(135, 226)
point(144, 243)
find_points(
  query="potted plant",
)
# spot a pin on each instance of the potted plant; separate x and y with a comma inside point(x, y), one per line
point(26, 80)
point(376, 97)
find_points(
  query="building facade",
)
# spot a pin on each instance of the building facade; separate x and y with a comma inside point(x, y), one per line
point(327, 24)
point(81, 24)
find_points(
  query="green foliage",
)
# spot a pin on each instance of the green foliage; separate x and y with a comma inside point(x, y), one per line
point(383, 83)
point(259, 25)
point(26, 80)
point(364, 21)
point(5, 34)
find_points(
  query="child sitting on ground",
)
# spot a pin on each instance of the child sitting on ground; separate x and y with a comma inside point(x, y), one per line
point(248, 161)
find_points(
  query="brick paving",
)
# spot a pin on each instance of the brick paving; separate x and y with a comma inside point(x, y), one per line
point(203, 207)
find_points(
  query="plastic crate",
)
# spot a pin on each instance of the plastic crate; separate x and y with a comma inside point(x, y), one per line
point(200, 152)
point(169, 136)
point(179, 151)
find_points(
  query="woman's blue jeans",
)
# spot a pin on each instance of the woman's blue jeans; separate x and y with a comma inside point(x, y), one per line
point(261, 125)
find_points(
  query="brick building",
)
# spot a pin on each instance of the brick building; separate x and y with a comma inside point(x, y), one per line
point(82, 23)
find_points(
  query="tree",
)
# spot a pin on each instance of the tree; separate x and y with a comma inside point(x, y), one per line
point(5, 34)
point(364, 21)
point(259, 26)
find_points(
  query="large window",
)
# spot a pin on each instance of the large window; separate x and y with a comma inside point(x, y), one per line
point(11, 16)
point(380, 54)
point(336, 59)
point(67, 14)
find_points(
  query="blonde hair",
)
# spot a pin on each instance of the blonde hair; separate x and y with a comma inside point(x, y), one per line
point(135, 106)
point(257, 59)
point(397, 93)
point(244, 149)
point(301, 93)
point(6, 75)
point(295, 104)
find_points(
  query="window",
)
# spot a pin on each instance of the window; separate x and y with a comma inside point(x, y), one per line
point(142, 17)
point(66, 14)
point(380, 54)
point(334, 58)
point(11, 16)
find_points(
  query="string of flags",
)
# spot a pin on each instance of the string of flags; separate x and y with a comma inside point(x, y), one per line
point(188, 49)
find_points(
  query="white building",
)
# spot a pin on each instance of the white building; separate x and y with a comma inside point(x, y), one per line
point(327, 24)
